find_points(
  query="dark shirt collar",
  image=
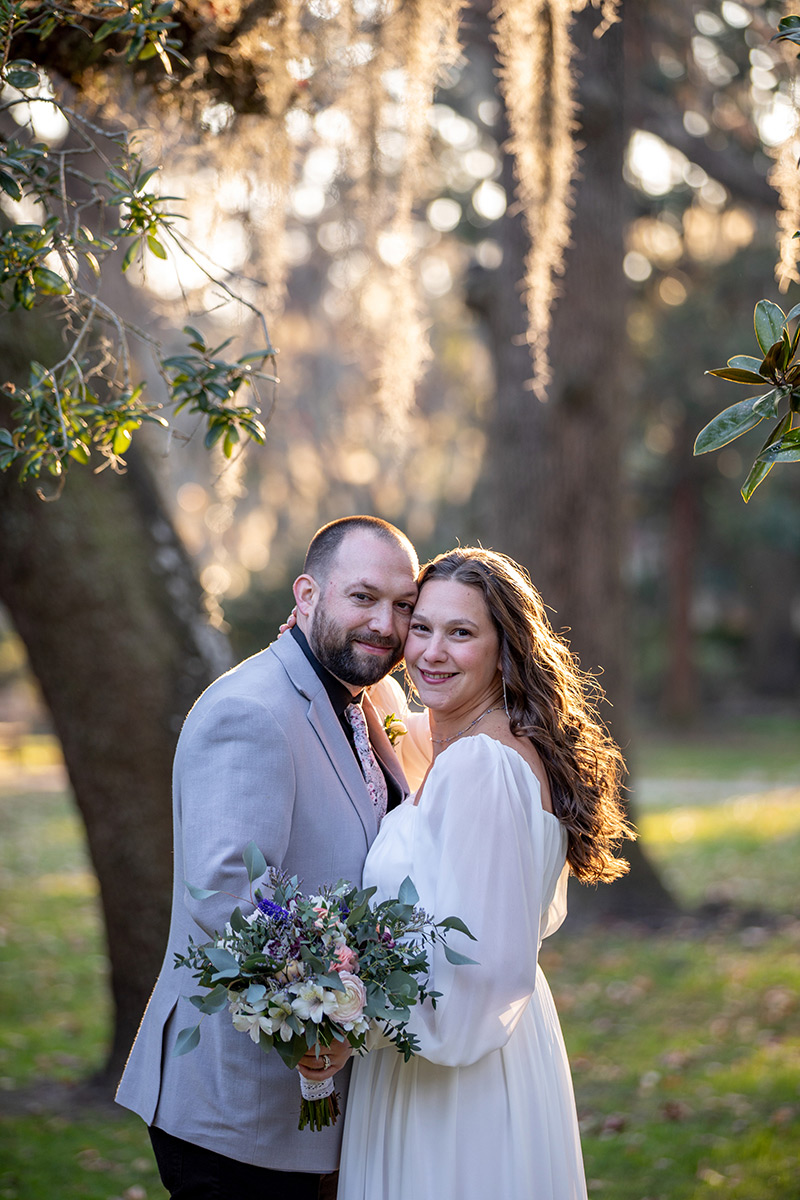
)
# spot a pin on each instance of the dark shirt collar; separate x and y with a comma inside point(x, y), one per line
point(339, 695)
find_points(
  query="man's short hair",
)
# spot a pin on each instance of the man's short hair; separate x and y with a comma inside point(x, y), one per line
point(327, 540)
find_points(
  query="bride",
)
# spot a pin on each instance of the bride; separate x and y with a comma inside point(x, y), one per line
point(522, 788)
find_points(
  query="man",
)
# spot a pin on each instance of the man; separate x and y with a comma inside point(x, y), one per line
point(275, 753)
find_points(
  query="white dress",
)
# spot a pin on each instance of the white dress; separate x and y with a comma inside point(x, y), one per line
point(486, 1111)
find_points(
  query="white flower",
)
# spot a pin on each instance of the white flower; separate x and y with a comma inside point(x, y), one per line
point(349, 1003)
point(280, 1008)
point(313, 1002)
point(252, 1023)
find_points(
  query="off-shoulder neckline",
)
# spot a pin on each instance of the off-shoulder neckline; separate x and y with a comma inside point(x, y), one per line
point(488, 737)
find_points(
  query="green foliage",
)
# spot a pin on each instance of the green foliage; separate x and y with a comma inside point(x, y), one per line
point(779, 371)
point(89, 401)
point(788, 30)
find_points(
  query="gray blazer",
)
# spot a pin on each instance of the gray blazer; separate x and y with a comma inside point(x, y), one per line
point(261, 756)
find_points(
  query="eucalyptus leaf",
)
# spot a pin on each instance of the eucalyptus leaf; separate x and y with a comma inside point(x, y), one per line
point(237, 920)
point(227, 967)
point(458, 960)
point(768, 321)
point(408, 894)
point(215, 1001)
point(331, 980)
point(198, 893)
point(186, 1040)
point(456, 923)
point(254, 861)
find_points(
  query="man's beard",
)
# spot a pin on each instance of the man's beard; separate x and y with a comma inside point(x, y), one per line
point(337, 653)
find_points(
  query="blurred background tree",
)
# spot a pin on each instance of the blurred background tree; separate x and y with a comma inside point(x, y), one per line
point(421, 380)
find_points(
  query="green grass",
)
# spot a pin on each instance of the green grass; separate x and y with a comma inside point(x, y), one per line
point(762, 748)
point(684, 1043)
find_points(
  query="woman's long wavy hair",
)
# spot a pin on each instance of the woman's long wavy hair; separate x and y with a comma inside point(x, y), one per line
point(552, 702)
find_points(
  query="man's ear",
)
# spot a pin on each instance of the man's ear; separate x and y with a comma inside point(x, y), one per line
point(306, 591)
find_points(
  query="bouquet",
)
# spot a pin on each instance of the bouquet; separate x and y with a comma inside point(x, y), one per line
point(302, 971)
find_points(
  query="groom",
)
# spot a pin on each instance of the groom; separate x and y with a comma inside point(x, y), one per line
point(284, 750)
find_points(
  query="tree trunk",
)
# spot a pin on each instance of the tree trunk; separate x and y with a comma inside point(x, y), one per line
point(106, 602)
point(553, 478)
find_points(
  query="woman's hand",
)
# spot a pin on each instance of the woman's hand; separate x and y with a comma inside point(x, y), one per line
point(289, 622)
point(313, 1063)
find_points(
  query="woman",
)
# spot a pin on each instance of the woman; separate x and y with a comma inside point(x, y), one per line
point(523, 787)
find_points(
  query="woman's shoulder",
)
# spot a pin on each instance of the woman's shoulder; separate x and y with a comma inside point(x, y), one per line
point(480, 754)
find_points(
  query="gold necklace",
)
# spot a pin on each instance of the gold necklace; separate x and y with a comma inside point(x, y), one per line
point(453, 736)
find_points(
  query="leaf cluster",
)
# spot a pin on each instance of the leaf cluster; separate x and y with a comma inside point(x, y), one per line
point(778, 370)
point(263, 959)
point(90, 401)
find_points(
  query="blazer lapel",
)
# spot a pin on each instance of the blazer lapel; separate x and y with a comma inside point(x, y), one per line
point(383, 747)
point(325, 724)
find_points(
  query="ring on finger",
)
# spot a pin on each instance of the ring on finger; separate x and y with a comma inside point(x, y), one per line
point(326, 1061)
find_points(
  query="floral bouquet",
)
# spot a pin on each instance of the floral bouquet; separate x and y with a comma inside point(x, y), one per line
point(302, 971)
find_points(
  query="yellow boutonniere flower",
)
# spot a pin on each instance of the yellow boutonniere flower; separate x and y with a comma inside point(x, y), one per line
point(394, 728)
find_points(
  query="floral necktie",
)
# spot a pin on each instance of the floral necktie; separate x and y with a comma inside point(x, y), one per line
point(373, 775)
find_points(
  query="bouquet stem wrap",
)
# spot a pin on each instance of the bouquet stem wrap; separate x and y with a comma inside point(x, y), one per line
point(319, 1105)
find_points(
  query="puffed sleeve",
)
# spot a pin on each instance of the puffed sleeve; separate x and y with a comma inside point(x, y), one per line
point(413, 748)
point(478, 855)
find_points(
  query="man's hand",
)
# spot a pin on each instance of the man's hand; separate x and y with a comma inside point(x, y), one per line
point(312, 1064)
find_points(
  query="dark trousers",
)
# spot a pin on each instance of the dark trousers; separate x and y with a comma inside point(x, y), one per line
point(190, 1172)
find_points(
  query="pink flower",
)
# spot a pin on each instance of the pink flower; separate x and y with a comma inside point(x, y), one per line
point(345, 959)
point(322, 914)
point(349, 1003)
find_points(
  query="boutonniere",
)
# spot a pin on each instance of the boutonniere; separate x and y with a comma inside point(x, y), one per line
point(394, 728)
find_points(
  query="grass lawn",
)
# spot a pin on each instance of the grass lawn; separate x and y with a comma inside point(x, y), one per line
point(685, 1044)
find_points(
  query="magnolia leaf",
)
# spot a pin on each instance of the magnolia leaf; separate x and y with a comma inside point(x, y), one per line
point(737, 375)
point(760, 470)
point(458, 960)
point(254, 861)
point(456, 923)
point(767, 405)
point(198, 893)
point(768, 321)
point(745, 361)
point(793, 312)
point(773, 360)
point(728, 425)
point(408, 894)
point(785, 449)
point(187, 1040)
point(758, 473)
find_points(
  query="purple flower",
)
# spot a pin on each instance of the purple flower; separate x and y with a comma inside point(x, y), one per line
point(270, 909)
